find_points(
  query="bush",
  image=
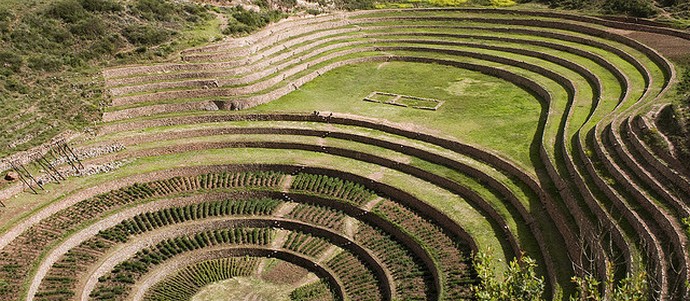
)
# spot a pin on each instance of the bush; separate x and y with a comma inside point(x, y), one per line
point(447, 2)
point(154, 9)
point(104, 46)
point(569, 4)
point(5, 19)
point(44, 62)
point(635, 8)
point(502, 3)
point(69, 11)
point(247, 21)
point(684, 83)
point(354, 4)
point(101, 5)
point(521, 281)
point(10, 60)
point(146, 35)
point(91, 27)
point(631, 288)
point(12, 83)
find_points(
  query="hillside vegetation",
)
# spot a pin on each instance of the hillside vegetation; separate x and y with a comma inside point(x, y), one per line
point(673, 12)
point(52, 52)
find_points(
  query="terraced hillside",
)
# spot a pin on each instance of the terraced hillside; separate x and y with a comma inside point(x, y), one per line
point(517, 133)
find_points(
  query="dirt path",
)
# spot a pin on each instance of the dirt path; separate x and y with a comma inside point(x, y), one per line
point(287, 182)
point(371, 204)
point(284, 209)
point(350, 227)
point(279, 239)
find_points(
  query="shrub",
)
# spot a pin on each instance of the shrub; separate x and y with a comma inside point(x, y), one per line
point(635, 8)
point(90, 27)
point(684, 83)
point(101, 5)
point(104, 46)
point(45, 62)
point(146, 34)
point(502, 3)
point(631, 288)
point(354, 4)
point(247, 21)
point(12, 83)
point(154, 9)
point(314, 12)
point(4, 286)
point(5, 19)
point(569, 4)
point(69, 11)
point(447, 2)
point(521, 281)
point(10, 60)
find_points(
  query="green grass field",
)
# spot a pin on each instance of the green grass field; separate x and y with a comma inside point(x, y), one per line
point(478, 109)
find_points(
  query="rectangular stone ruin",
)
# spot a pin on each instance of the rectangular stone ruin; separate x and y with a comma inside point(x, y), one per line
point(406, 101)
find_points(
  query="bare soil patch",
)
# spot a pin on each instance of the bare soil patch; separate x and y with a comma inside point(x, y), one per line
point(671, 47)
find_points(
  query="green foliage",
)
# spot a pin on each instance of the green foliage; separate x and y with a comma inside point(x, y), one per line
point(10, 61)
point(674, 122)
point(354, 4)
point(520, 281)
point(44, 62)
point(154, 9)
point(635, 8)
point(502, 3)
point(146, 35)
point(684, 84)
point(686, 225)
point(90, 27)
point(69, 11)
point(631, 288)
point(4, 286)
point(315, 291)
point(244, 21)
point(49, 48)
point(101, 5)
point(653, 138)
point(567, 4)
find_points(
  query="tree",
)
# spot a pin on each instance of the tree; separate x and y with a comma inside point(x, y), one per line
point(520, 281)
point(631, 288)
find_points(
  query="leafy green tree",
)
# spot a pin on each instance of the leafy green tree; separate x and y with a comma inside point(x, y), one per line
point(631, 288)
point(520, 281)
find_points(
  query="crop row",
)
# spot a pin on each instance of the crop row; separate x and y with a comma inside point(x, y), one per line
point(59, 283)
point(151, 220)
point(319, 215)
point(352, 192)
point(360, 283)
point(412, 280)
point(451, 256)
point(117, 284)
point(305, 244)
point(26, 248)
point(317, 291)
point(218, 180)
point(186, 282)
